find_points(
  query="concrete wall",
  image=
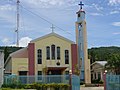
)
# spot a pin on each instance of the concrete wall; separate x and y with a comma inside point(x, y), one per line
point(19, 64)
point(1, 67)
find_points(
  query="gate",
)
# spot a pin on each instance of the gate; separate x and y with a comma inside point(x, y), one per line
point(112, 82)
point(75, 82)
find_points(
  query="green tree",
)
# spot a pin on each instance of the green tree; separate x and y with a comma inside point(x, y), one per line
point(6, 53)
point(113, 63)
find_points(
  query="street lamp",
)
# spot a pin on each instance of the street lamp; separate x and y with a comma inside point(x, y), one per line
point(105, 71)
point(70, 71)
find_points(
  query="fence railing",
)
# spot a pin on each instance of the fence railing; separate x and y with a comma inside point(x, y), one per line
point(37, 79)
point(112, 82)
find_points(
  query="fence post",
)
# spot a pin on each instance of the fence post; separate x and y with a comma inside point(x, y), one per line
point(104, 76)
point(70, 79)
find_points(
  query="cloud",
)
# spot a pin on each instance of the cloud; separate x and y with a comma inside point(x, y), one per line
point(113, 2)
point(97, 7)
point(23, 42)
point(114, 12)
point(49, 3)
point(96, 14)
point(7, 7)
point(116, 24)
point(116, 33)
point(5, 41)
point(44, 3)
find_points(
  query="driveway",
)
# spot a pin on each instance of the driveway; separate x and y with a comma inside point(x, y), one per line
point(91, 88)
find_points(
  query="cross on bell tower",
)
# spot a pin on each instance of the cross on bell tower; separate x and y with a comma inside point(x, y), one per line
point(81, 5)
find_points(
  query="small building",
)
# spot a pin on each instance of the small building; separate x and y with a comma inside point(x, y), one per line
point(50, 54)
point(97, 70)
point(1, 67)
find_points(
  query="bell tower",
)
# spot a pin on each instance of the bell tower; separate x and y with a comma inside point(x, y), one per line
point(81, 41)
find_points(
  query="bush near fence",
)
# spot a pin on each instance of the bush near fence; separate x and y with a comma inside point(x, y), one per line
point(38, 86)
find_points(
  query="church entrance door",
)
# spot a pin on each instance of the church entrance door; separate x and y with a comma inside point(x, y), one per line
point(54, 72)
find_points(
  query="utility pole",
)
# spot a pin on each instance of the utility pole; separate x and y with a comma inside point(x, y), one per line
point(17, 24)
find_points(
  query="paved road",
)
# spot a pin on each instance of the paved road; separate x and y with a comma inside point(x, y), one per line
point(91, 88)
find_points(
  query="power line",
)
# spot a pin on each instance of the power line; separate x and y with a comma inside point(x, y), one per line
point(43, 18)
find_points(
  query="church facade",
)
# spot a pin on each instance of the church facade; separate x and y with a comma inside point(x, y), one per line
point(51, 54)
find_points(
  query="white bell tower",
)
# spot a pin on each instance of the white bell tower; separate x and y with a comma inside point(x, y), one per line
point(81, 41)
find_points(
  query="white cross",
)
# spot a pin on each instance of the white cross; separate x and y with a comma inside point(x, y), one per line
point(52, 28)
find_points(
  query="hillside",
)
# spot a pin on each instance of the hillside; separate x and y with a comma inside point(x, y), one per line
point(102, 53)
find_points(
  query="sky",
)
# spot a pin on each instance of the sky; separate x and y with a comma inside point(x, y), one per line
point(37, 17)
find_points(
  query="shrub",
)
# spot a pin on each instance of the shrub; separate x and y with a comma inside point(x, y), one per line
point(13, 85)
point(101, 82)
point(38, 86)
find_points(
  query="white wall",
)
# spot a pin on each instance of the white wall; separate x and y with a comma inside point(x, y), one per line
point(1, 67)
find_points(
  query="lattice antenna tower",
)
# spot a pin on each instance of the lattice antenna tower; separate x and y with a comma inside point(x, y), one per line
point(17, 23)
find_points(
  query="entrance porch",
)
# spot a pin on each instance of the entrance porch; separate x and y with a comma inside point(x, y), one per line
point(55, 70)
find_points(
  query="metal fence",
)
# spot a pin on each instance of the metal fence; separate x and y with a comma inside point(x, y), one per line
point(112, 82)
point(37, 79)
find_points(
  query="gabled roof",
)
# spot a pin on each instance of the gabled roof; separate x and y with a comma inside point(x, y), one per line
point(102, 63)
point(20, 53)
point(53, 34)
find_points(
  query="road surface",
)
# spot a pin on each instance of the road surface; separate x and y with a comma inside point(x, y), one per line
point(91, 88)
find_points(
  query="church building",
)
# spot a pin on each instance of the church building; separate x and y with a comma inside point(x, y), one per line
point(50, 54)
point(53, 54)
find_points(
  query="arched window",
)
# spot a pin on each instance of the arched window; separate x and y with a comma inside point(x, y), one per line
point(58, 53)
point(53, 51)
point(39, 56)
point(66, 57)
point(47, 52)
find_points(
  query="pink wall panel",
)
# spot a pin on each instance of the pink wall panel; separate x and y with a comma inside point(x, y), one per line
point(31, 59)
point(74, 56)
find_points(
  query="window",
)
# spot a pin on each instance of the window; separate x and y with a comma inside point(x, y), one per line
point(99, 75)
point(58, 52)
point(80, 46)
point(66, 72)
point(39, 75)
point(95, 76)
point(91, 76)
point(66, 57)
point(48, 52)
point(79, 15)
point(39, 56)
point(53, 51)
